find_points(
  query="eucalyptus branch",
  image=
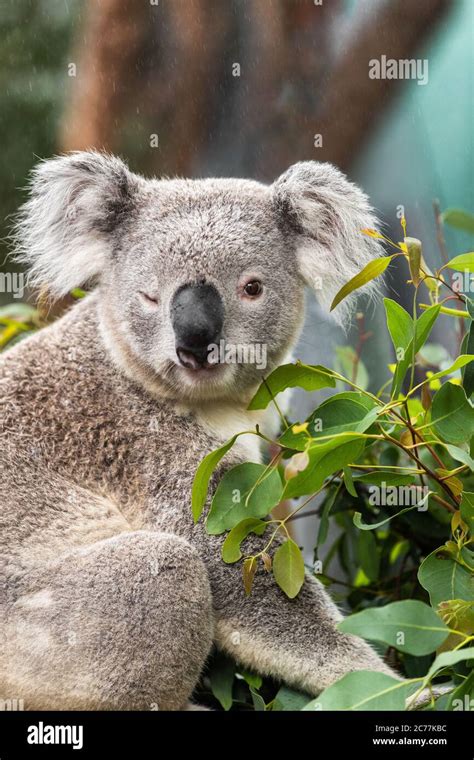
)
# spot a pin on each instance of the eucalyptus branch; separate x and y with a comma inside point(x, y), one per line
point(413, 435)
point(428, 471)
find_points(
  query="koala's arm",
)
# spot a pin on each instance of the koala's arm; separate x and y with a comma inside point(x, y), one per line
point(295, 641)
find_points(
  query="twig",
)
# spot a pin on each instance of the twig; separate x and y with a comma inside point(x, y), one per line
point(439, 232)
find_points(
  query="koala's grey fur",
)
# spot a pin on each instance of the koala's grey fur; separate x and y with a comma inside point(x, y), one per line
point(112, 596)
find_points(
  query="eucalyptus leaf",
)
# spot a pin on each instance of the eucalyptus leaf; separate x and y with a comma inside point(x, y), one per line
point(460, 455)
point(288, 568)
point(414, 258)
point(461, 361)
point(462, 263)
point(288, 699)
point(343, 412)
point(452, 416)
point(290, 376)
point(364, 690)
point(468, 372)
point(467, 510)
point(372, 270)
point(421, 331)
point(399, 324)
point(203, 476)
point(444, 578)
point(349, 482)
point(410, 626)
point(221, 678)
point(386, 477)
point(325, 459)
point(449, 659)
point(458, 218)
point(324, 521)
point(375, 526)
point(246, 490)
point(231, 547)
point(369, 556)
point(462, 696)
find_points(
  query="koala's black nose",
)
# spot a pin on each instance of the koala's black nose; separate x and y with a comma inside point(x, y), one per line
point(197, 316)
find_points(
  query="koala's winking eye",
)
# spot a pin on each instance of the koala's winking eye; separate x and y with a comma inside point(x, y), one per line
point(253, 288)
point(149, 300)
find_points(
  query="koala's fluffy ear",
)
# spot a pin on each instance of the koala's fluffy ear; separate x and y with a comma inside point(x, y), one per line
point(327, 213)
point(64, 232)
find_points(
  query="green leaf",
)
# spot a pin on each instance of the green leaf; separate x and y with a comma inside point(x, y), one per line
point(203, 476)
point(409, 626)
point(424, 326)
point(387, 477)
point(452, 416)
point(462, 263)
point(414, 258)
point(399, 550)
point(468, 373)
point(372, 270)
point(374, 526)
point(467, 510)
point(325, 459)
point(231, 547)
point(247, 490)
point(288, 699)
point(460, 698)
point(461, 361)
point(459, 615)
point(369, 555)
point(78, 293)
point(221, 678)
point(448, 659)
point(252, 679)
point(343, 412)
point(444, 578)
point(291, 376)
point(364, 690)
point(249, 568)
point(458, 218)
point(324, 521)
point(460, 455)
point(288, 568)
point(399, 324)
point(258, 701)
point(18, 311)
point(349, 482)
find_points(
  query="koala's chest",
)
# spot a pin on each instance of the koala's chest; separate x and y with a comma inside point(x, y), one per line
point(145, 449)
point(181, 437)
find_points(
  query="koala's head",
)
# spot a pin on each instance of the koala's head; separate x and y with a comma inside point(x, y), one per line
point(200, 282)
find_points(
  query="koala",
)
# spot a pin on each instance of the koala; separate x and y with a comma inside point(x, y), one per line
point(113, 597)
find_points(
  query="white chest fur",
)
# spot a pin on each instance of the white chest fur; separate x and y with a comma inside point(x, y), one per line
point(224, 420)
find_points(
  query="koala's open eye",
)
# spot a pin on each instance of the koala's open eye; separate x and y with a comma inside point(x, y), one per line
point(149, 300)
point(253, 288)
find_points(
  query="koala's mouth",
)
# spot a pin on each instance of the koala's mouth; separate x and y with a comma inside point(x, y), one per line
point(197, 373)
point(195, 361)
